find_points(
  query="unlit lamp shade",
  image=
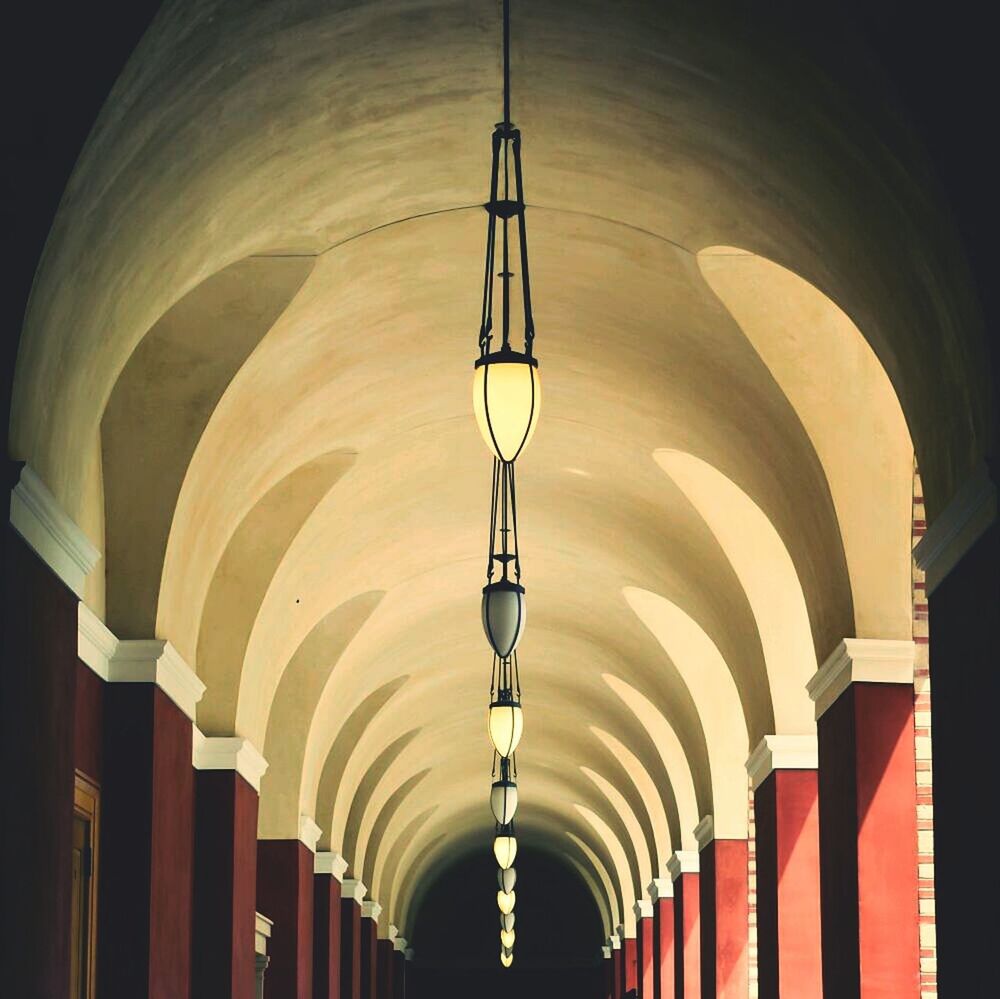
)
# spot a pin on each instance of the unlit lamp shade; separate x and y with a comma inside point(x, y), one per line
point(507, 920)
point(503, 800)
point(506, 398)
point(506, 723)
point(506, 879)
point(504, 615)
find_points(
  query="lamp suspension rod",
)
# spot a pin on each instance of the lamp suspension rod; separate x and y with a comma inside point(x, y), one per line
point(506, 62)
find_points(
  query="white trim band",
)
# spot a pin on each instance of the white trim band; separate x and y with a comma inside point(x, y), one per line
point(228, 753)
point(782, 752)
point(261, 932)
point(704, 832)
point(643, 908)
point(37, 516)
point(309, 832)
point(965, 519)
point(330, 863)
point(156, 661)
point(660, 888)
point(370, 909)
point(353, 889)
point(860, 660)
point(95, 642)
point(682, 862)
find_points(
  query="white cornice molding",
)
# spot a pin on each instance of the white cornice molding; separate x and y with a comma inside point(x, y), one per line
point(96, 644)
point(782, 752)
point(309, 832)
point(399, 943)
point(370, 909)
point(37, 516)
point(704, 832)
point(354, 889)
point(262, 932)
point(957, 527)
point(682, 862)
point(330, 863)
point(643, 908)
point(660, 888)
point(613, 942)
point(156, 661)
point(228, 753)
point(606, 953)
point(861, 660)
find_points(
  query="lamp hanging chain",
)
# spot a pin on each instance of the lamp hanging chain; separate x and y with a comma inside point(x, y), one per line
point(506, 62)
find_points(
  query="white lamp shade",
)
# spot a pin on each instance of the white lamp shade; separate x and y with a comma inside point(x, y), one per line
point(505, 850)
point(506, 879)
point(506, 722)
point(506, 398)
point(506, 959)
point(503, 800)
point(507, 938)
point(504, 615)
point(507, 920)
point(506, 900)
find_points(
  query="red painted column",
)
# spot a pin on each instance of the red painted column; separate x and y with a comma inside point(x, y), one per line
point(617, 967)
point(225, 889)
point(399, 968)
point(630, 963)
point(285, 896)
point(147, 843)
point(661, 891)
point(644, 948)
point(383, 976)
point(370, 911)
point(329, 869)
point(867, 814)
point(786, 810)
point(725, 915)
point(352, 893)
point(684, 870)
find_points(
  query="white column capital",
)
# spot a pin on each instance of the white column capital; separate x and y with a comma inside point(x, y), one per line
point(330, 863)
point(606, 953)
point(613, 942)
point(623, 934)
point(309, 832)
point(391, 932)
point(370, 909)
point(782, 752)
point(353, 889)
point(228, 753)
point(682, 862)
point(409, 953)
point(643, 909)
point(261, 932)
point(660, 888)
point(53, 535)
point(968, 515)
point(861, 660)
point(399, 943)
point(704, 832)
point(155, 661)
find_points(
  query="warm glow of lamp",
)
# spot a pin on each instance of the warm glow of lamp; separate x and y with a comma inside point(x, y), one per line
point(505, 850)
point(506, 398)
point(506, 722)
point(506, 900)
point(506, 959)
point(507, 938)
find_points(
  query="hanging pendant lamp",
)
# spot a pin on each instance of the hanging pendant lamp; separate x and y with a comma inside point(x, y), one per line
point(506, 900)
point(506, 958)
point(503, 607)
point(503, 795)
point(507, 920)
point(507, 938)
point(505, 846)
point(506, 879)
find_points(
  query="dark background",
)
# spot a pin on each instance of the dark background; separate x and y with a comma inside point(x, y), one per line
point(59, 61)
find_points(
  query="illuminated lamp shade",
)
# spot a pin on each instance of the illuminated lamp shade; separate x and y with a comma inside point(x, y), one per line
point(506, 879)
point(506, 723)
point(503, 800)
point(507, 920)
point(507, 938)
point(506, 398)
point(506, 959)
point(504, 615)
point(506, 900)
point(505, 849)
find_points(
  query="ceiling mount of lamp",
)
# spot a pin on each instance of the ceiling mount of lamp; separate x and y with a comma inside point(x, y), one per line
point(506, 399)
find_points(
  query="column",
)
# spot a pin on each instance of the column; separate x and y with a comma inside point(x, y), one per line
point(617, 968)
point(629, 961)
point(385, 968)
point(370, 911)
point(227, 783)
point(783, 774)
point(644, 948)
point(328, 873)
point(148, 864)
point(262, 933)
point(399, 968)
point(352, 895)
point(867, 815)
point(609, 973)
point(725, 914)
point(684, 870)
point(285, 893)
point(661, 893)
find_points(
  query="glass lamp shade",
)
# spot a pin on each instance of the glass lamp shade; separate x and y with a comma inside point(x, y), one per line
point(506, 723)
point(506, 879)
point(505, 850)
point(506, 398)
point(504, 615)
point(507, 938)
point(506, 900)
point(506, 959)
point(507, 920)
point(503, 800)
